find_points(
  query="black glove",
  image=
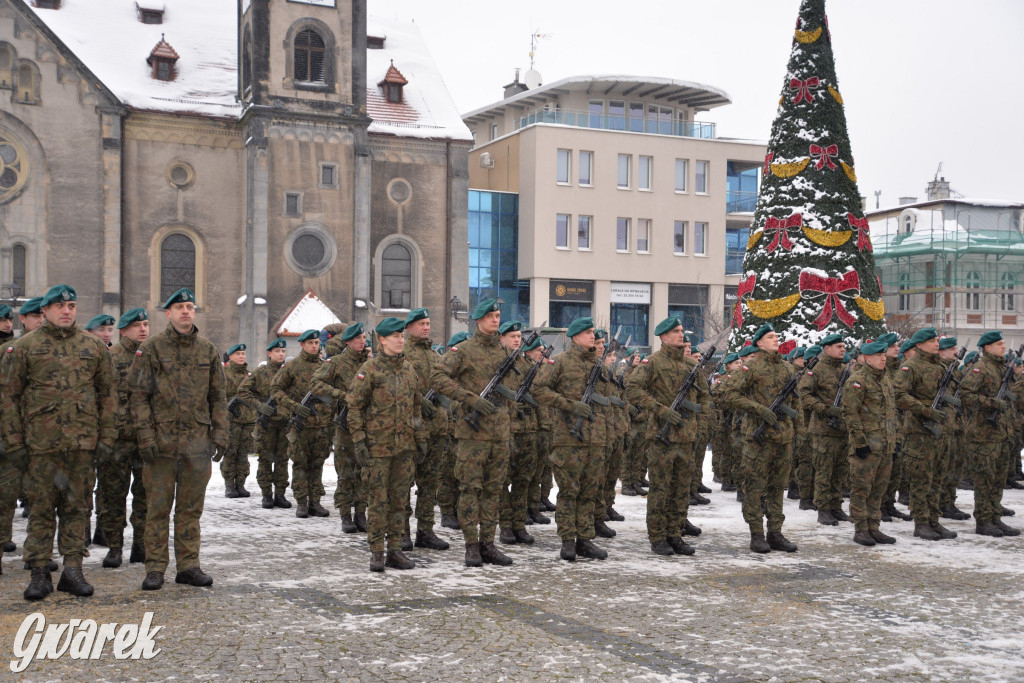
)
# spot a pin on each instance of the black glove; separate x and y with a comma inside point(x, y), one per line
point(670, 416)
point(105, 454)
point(427, 408)
point(303, 412)
point(481, 405)
point(216, 452)
point(361, 453)
point(834, 411)
point(264, 409)
point(580, 409)
point(16, 457)
point(148, 453)
point(422, 449)
point(766, 414)
point(862, 452)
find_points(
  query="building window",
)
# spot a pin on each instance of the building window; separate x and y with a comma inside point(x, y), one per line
point(293, 204)
point(494, 131)
point(246, 62)
point(625, 163)
point(689, 304)
point(151, 14)
point(586, 168)
point(973, 302)
point(616, 115)
point(634, 320)
point(679, 238)
point(6, 67)
point(700, 235)
point(681, 168)
point(375, 42)
point(596, 109)
point(564, 164)
point(903, 300)
point(28, 82)
point(1007, 282)
point(328, 176)
point(643, 236)
point(622, 234)
point(701, 181)
point(636, 117)
point(583, 232)
point(493, 219)
point(177, 264)
point(659, 120)
point(47, 4)
point(18, 278)
point(562, 231)
point(644, 176)
point(396, 276)
point(735, 248)
point(309, 57)
point(14, 167)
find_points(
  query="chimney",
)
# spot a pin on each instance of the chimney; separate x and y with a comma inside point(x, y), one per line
point(908, 200)
point(515, 87)
point(938, 189)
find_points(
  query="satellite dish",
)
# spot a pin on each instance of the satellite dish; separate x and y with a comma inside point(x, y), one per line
point(532, 79)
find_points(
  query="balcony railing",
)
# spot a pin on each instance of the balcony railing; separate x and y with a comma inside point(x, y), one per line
point(653, 125)
point(740, 202)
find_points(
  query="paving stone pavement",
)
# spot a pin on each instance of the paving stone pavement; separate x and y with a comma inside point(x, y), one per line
point(293, 599)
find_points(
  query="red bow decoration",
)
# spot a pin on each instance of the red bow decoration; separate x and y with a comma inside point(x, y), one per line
point(803, 88)
point(831, 287)
point(825, 155)
point(746, 287)
point(781, 228)
point(863, 234)
point(787, 346)
point(768, 163)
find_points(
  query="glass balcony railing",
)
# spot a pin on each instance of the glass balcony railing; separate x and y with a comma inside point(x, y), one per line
point(653, 125)
point(740, 202)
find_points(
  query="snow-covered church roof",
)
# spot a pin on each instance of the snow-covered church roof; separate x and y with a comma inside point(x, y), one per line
point(308, 313)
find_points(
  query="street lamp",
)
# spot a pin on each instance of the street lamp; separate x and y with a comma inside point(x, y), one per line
point(458, 309)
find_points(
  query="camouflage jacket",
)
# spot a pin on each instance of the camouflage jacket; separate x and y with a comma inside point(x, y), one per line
point(291, 385)
point(420, 354)
point(383, 406)
point(756, 383)
point(333, 378)
point(522, 416)
point(463, 373)
point(655, 384)
point(235, 374)
point(334, 347)
point(916, 384)
point(869, 410)
point(559, 384)
point(978, 397)
point(818, 388)
point(123, 355)
point(177, 394)
point(255, 389)
point(63, 382)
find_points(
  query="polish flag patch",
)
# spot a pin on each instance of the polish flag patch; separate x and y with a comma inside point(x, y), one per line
point(905, 369)
point(454, 348)
point(810, 372)
point(856, 385)
point(550, 361)
point(360, 375)
point(138, 352)
point(973, 369)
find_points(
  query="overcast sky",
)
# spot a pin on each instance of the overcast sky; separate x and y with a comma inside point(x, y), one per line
point(923, 81)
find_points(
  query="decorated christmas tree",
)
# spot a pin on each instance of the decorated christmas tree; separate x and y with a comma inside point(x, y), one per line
point(809, 267)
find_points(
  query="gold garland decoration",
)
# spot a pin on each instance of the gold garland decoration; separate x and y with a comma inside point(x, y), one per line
point(826, 238)
point(780, 100)
point(848, 170)
point(808, 36)
point(752, 240)
point(772, 308)
point(835, 94)
point(791, 169)
point(872, 309)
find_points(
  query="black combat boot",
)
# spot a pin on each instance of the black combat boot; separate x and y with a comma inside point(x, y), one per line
point(825, 517)
point(690, 529)
point(376, 562)
point(951, 511)
point(318, 510)
point(679, 546)
point(138, 553)
point(863, 537)
point(428, 539)
point(728, 486)
point(99, 538)
point(73, 581)
point(280, 501)
point(154, 581)
point(546, 504)
point(491, 555)
point(449, 520)
point(615, 516)
point(645, 483)
point(40, 585)
point(396, 559)
point(527, 520)
point(1007, 529)
point(884, 539)
point(793, 493)
point(523, 536)
point(807, 504)
point(473, 558)
point(988, 529)
point(360, 520)
point(241, 490)
point(568, 552)
point(603, 530)
point(640, 490)
point(757, 542)
point(885, 516)
point(229, 490)
point(662, 548)
point(407, 537)
point(926, 532)
point(903, 499)
point(839, 515)
point(586, 548)
point(268, 501)
point(944, 533)
point(1006, 512)
point(9, 547)
point(697, 499)
point(895, 513)
point(740, 496)
point(539, 518)
point(194, 577)
point(301, 510)
point(628, 490)
point(113, 558)
point(701, 488)
point(776, 541)
point(506, 536)
point(347, 525)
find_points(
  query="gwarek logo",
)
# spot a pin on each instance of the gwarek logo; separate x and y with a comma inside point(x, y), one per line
point(82, 639)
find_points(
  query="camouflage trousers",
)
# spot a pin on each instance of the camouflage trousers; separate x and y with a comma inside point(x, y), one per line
point(668, 500)
point(540, 483)
point(115, 479)
point(765, 476)
point(480, 467)
point(737, 443)
point(897, 477)
point(989, 476)
point(515, 491)
point(578, 475)
point(831, 470)
point(719, 446)
point(447, 485)
point(700, 450)
point(351, 490)
point(953, 472)
point(803, 466)
point(272, 458)
point(308, 452)
point(59, 486)
point(613, 456)
point(180, 482)
point(387, 483)
point(425, 476)
point(11, 479)
point(234, 466)
point(1012, 457)
point(634, 465)
point(869, 478)
point(922, 452)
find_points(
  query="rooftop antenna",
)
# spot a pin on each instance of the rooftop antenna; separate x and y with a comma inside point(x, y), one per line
point(878, 193)
point(532, 78)
point(938, 171)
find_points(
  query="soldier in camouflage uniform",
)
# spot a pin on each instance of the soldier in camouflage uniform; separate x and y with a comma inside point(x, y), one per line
point(534, 353)
point(481, 459)
point(618, 435)
point(181, 420)
point(447, 484)
point(560, 386)
point(634, 464)
point(988, 438)
point(123, 471)
point(947, 466)
point(869, 413)
point(916, 384)
point(722, 447)
point(892, 366)
point(515, 491)
point(271, 428)
point(335, 343)
point(606, 412)
point(387, 437)
point(102, 327)
point(10, 476)
point(234, 466)
point(333, 379)
point(308, 446)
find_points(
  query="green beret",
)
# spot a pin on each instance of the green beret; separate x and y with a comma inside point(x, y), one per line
point(889, 338)
point(667, 325)
point(416, 314)
point(761, 331)
point(510, 326)
point(924, 334)
point(877, 346)
point(457, 338)
point(5, 311)
point(798, 352)
point(812, 351)
point(132, 315)
point(277, 344)
point(99, 321)
point(352, 331)
point(59, 293)
point(687, 338)
point(183, 295)
point(947, 343)
point(990, 338)
point(579, 325)
point(847, 357)
point(537, 343)
point(309, 334)
point(599, 334)
point(390, 326)
point(631, 350)
point(236, 347)
point(747, 351)
point(834, 338)
point(33, 305)
point(970, 357)
point(484, 307)
point(730, 358)
point(906, 346)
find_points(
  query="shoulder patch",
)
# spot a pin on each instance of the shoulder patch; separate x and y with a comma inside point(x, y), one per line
point(745, 367)
point(810, 372)
point(138, 352)
point(10, 349)
point(905, 369)
point(360, 375)
point(974, 369)
point(645, 361)
point(454, 348)
point(551, 361)
point(857, 385)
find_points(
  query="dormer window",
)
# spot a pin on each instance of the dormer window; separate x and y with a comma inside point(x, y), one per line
point(392, 84)
point(47, 4)
point(309, 57)
point(375, 42)
point(150, 12)
point(162, 60)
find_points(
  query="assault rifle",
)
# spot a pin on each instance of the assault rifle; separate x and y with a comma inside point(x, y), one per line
point(309, 400)
point(779, 404)
point(681, 401)
point(523, 394)
point(941, 400)
point(834, 422)
point(590, 395)
point(960, 383)
point(437, 399)
point(235, 406)
point(264, 420)
point(495, 388)
point(1004, 386)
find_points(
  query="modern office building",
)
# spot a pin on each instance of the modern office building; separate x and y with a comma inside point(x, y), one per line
point(604, 196)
